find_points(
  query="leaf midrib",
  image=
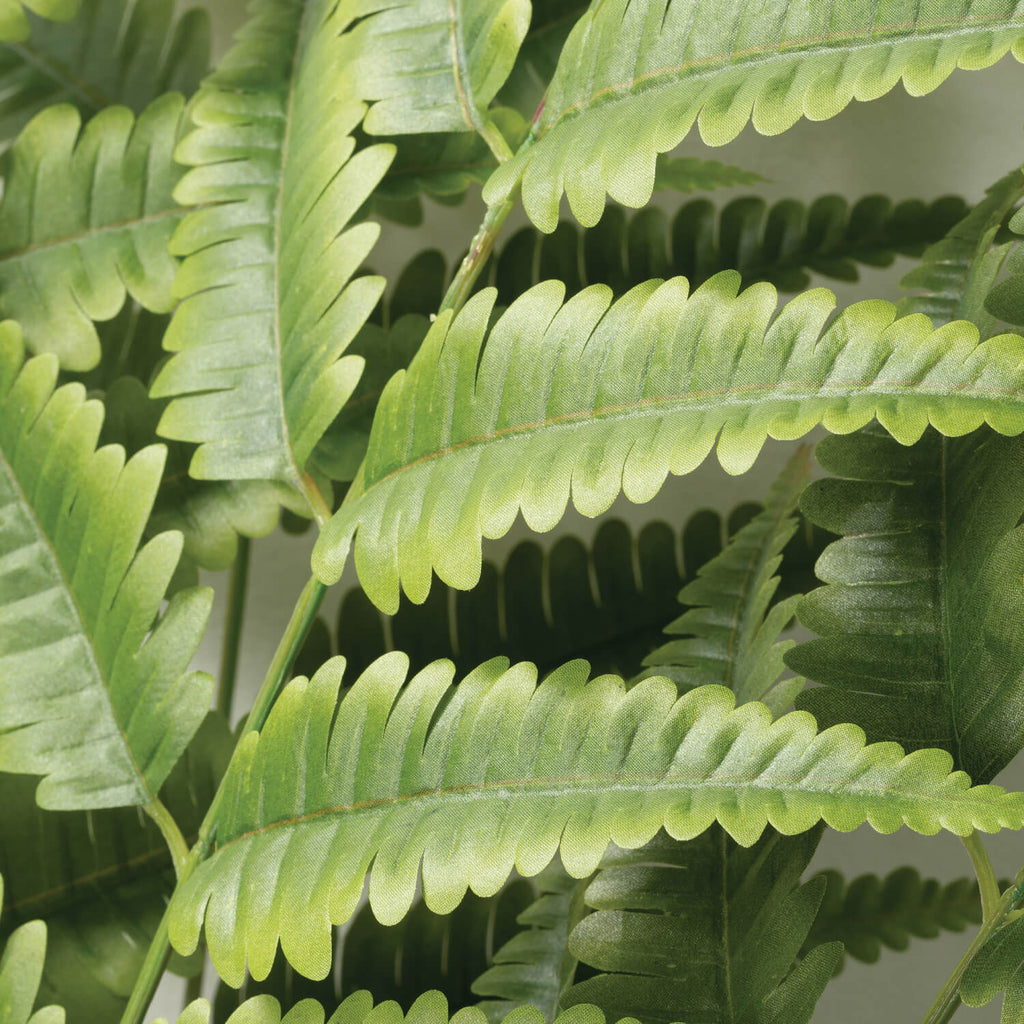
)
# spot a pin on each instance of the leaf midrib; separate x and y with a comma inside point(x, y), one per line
point(813, 45)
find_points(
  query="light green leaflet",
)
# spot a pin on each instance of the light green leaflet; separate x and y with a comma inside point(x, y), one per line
point(633, 77)
point(498, 773)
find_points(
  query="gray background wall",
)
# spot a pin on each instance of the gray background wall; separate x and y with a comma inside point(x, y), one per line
point(958, 139)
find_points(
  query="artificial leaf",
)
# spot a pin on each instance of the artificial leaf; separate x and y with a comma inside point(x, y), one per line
point(730, 636)
point(593, 398)
point(102, 233)
point(21, 967)
point(782, 243)
point(420, 772)
point(14, 23)
point(112, 705)
point(705, 930)
point(268, 299)
point(1004, 300)
point(998, 967)
point(114, 52)
point(435, 65)
point(871, 912)
point(632, 79)
point(692, 174)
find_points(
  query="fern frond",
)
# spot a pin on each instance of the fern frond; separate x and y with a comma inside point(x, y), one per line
point(102, 232)
point(871, 912)
point(1004, 300)
point(21, 967)
point(269, 304)
point(434, 67)
point(429, 1008)
point(731, 637)
point(969, 251)
point(913, 644)
point(633, 78)
point(998, 967)
point(691, 174)
point(424, 951)
point(403, 773)
point(631, 392)
point(782, 244)
point(703, 930)
point(535, 967)
point(100, 880)
point(111, 706)
point(14, 22)
point(125, 52)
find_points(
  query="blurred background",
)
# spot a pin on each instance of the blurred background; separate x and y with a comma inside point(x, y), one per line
point(957, 140)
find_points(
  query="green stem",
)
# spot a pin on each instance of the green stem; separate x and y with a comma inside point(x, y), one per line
point(171, 833)
point(948, 1000)
point(160, 949)
point(491, 134)
point(233, 628)
point(988, 884)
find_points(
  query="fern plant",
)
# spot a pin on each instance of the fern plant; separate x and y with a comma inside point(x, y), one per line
point(583, 783)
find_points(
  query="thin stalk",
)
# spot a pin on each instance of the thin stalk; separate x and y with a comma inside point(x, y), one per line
point(160, 949)
point(233, 628)
point(948, 1000)
point(491, 134)
point(171, 833)
point(988, 884)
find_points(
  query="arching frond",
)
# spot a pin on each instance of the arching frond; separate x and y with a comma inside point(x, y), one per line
point(430, 1008)
point(730, 636)
point(632, 79)
point(704, 930)
point(424, 951)
point(114, 52)
point(871, 912)
point(99, 880)
point(433, 66)
point(94, 690)
point(14, 22)
point(269, 302)
point(782, 243)
point(102, 232)
point(21, 967)
point(403, 774)
point(593, 398)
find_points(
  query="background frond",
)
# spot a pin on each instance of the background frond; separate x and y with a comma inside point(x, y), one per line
point(403, 774)
point(100, 879)
point(782, 243)
point(871, 912)
point(21, 967)
point(14, 15)
point(268, 301)
point(125, 52)
point(633, 78)
point(112, 705)
point(591, 398)
point(102, 232)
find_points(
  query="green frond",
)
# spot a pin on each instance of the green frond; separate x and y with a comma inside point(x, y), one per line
point(998, 967)
point(968, 253)
point(730, 636)
point(14, 21)
point(403, 774)
point(430, 1008)
point(102, 233)
point(704, 930)
point(21, 967)
point(593, 398)
point(1004, 300)
point(434, 66)
point(535, 967)
point(125, 52)
point(911, 624)
point(871, 912)
point(782, 244)
point(424, 951)
point(268, 299)
point(691, 174)
point(111, 706)
point(100, 879)
point(632, 79)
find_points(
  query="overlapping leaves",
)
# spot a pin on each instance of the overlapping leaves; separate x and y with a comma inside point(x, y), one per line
point(471, 781)
point(111, 706)
point(592, 398)
point(633, 78)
